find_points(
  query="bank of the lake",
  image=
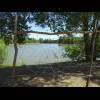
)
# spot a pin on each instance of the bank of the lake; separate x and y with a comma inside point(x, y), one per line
point(22, 44)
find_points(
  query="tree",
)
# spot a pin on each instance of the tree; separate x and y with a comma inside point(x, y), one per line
point(7, 25)
point(65, 21)
point(96, 50)
point(40, 40)
point(57, 21)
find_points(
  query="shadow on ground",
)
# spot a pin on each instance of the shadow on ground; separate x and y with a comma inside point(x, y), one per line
point(42, 75)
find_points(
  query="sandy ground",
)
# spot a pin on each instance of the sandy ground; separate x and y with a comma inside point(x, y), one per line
point(52, 75)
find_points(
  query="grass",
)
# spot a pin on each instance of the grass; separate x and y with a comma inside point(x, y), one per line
point(9, 63)
point(3, 51)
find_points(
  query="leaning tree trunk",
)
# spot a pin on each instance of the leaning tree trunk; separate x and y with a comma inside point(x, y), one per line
point(97, 37)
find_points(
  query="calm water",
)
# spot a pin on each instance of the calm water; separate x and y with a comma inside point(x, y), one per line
point(38, 53)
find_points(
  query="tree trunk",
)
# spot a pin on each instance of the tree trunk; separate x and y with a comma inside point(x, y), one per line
point(86, 38)
point(97, 36)
point(95, 47)
point(87, 47)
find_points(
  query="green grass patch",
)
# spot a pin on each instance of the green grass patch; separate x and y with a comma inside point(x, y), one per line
point(3, 52)
point(9, 63)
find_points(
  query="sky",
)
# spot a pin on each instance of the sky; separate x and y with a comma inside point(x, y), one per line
point(39, 29)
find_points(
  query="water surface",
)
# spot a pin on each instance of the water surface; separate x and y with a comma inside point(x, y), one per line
point(32, 54)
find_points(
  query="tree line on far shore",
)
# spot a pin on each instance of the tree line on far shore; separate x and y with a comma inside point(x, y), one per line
point(65, 39)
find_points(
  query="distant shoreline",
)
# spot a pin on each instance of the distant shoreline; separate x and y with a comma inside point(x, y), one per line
point(22, 44)
point(30, 43)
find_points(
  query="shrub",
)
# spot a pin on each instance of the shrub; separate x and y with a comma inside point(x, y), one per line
point(3, 52)
point(74, 51)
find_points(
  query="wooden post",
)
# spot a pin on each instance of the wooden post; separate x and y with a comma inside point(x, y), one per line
point(16, 51)
point(92, 52)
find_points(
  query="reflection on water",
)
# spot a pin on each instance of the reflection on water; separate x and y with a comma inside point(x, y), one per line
point(38, 53)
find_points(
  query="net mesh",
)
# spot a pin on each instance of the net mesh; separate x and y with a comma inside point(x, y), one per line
point(54, 63)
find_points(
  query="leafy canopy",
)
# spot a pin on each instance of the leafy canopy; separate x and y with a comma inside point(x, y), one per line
point(7, 25)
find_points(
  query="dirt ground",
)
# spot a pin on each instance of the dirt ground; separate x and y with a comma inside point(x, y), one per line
point(52, 75)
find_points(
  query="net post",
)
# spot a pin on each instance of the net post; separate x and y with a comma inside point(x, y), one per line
point(16, 51)
point(92, 52)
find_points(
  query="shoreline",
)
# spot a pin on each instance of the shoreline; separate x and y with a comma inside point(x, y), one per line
point(22, 44)
point(32, 43)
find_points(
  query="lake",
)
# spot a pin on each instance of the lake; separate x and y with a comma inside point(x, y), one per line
point(32, 54)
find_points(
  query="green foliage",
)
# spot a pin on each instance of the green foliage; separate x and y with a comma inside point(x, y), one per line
point(74, 51)
point(62, 21)
point(70, 39)
point(7, 25)
point(3, 52)
point(40, 40)
point(49, 41)
point(30, 40)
